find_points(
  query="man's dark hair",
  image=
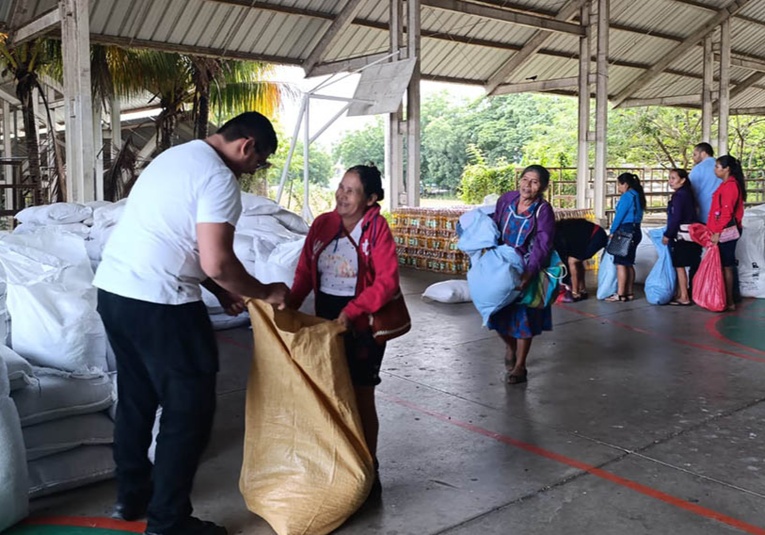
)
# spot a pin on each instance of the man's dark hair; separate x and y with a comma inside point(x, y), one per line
point(251, 124)
point(705, 148)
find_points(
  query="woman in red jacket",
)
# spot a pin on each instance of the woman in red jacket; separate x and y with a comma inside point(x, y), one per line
point(727, 210)
point(349, 261)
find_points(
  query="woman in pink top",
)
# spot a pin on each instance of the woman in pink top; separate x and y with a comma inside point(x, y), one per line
point(727, 210)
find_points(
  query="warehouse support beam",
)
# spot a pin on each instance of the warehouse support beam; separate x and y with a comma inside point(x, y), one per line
point(80, 149)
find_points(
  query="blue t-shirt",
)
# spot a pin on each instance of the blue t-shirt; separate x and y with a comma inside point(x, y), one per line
point(704, 182)
point(628, 210)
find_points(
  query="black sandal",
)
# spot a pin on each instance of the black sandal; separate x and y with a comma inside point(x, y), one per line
point(516, 379)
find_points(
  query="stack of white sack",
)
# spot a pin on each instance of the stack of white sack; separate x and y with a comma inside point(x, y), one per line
point(55, 327)
point(14, 484)
point(750, 253)
point(52, 301)
point(61, 216)
point(105, 217)
point(268, 241)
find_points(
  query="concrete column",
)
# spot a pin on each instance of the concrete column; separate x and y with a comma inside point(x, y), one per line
point(80, 149)
point(583, 152)
point(724, 107)
point(395, 194)
point(706, 91)
point(601, 110)
point(413, 105)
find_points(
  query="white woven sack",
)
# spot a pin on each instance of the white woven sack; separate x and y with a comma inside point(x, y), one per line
point(52, 301)
point(55, 214)
point(70, 469)
point(451, 291)
point(20, 372)
point(56, 436)
point(257, 205)
point(14, 484)
point(58, 395)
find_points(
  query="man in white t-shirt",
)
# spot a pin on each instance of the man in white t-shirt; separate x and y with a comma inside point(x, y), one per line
point(176, 234)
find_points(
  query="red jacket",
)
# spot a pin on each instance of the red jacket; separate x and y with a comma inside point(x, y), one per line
point(377, 280)
point(727, 203)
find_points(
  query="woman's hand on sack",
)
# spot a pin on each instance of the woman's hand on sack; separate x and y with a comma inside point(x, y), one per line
point(664, 240)
point(525, 280)
point(344, 320)
point(715, 238)
point(232, 304)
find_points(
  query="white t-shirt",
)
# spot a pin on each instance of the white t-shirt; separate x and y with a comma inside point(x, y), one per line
point(153, 254)
point(339, 265)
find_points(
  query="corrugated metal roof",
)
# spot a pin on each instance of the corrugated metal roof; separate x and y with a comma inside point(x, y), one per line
point(456, 46)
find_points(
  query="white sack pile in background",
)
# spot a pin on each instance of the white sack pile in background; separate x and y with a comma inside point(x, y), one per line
point(52, 301)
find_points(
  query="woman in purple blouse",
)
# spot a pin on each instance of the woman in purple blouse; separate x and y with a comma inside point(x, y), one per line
point(681, 211)
point(527, 223)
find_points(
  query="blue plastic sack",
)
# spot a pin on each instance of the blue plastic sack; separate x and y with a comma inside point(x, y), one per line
point(607, 282)
point(477, 231)
point(494, 278)
point(661, 281)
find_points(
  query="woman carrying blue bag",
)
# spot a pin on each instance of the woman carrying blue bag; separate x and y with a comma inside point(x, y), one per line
point(681, 210)
point(527, 223)
point(629, 215)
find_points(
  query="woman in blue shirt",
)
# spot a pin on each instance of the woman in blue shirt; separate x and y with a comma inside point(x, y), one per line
point(629, 215)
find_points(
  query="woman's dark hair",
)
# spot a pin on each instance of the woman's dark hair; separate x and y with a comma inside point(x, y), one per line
point(735, 169)
point(371, 180)
point(682, 173)
point(542, 173)
point(633, 181)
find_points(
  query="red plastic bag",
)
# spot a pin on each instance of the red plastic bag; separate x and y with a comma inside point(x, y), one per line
point(708, 283)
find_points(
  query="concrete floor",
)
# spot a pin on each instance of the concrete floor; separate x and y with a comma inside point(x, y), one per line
point(636, 419)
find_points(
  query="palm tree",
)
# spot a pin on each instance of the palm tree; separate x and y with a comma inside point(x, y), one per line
point(24, 63)
point(233, 87)
point(178, 81)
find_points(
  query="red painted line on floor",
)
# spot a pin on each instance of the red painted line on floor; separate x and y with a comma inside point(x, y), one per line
point(230, 341)
point(711, 327)
point(597, 472)
point(88, 522)
point(653, 334)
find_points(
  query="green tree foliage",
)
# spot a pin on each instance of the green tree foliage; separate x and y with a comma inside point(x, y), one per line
point(480, 179)
point(362, 146)
point(518, 130)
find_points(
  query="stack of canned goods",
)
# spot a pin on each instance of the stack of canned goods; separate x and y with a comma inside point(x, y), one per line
point(426, 238)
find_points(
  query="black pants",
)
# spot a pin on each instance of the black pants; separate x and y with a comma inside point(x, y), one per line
point(166, 356)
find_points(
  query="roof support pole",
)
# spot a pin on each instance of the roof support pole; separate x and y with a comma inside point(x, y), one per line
point(601, 110)
point(7, 169)
point(413, 105)
point(80, 151)
point(724, 103)
point(583, 148)
point(706, 91)
point(98, 144)
point(394, 141)
point(115, 120)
